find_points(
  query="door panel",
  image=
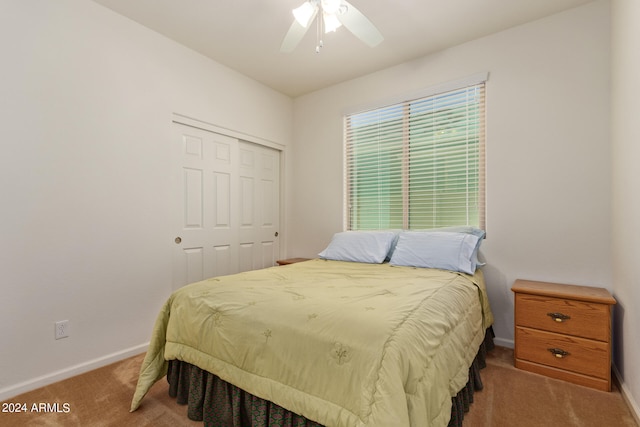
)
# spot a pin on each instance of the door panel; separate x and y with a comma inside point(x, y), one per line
point(222, 196)
point(247, 195)
point(193, 198)
point(222, 260)
point(204, 200)
point(195, 264)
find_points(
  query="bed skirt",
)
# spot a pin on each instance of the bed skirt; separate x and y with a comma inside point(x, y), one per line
point(220, 404)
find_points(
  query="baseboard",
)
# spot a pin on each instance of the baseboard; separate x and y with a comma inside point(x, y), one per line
point(627, 396)
point(503, 342)
point(72, 371)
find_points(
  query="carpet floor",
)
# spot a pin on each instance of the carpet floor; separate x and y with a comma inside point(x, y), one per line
point(510, 397)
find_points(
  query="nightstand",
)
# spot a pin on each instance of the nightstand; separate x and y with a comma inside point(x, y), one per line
point(564, 332)
point(291, 261)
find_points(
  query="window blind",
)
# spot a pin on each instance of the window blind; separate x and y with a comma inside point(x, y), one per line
point(417, 164)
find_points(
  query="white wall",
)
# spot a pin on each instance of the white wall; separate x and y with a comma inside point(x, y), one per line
point(86, 102)
point(548, 151)
point(626, 191)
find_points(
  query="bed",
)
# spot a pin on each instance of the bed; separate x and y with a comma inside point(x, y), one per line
point(332, 341)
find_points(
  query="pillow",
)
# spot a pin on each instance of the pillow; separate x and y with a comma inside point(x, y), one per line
point(462, 229)
point(475, 232)
point(396, 235)
point(437, 249)
point(359, 246)
point(469, 230)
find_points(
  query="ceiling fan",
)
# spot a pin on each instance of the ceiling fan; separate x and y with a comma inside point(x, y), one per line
point(335, 13)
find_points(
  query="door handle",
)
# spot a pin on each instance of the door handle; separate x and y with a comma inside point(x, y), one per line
point(276, 234)
point(178, 240)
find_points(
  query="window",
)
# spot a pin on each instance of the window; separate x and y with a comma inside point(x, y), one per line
point(417, 164)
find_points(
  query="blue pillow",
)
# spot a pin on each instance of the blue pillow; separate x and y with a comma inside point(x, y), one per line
point(465, 229)
point(360, 246)
point(437, 249)
point(462, 229)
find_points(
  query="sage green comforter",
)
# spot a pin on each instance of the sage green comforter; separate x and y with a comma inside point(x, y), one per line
point(341, 343)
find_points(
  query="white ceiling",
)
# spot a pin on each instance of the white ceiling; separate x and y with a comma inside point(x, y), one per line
point(245, 35)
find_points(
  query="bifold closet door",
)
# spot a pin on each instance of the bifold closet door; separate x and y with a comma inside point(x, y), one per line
point(226, 201)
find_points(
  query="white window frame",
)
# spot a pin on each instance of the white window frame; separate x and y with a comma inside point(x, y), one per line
point(391, 146)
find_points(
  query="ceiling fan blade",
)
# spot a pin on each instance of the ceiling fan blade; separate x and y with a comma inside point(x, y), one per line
point(294, 35)
point(360, 25)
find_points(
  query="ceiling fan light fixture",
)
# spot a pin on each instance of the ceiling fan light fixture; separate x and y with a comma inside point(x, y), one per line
point(304, 13)
point(331, 7)
point(335, 14)
point(331, 22)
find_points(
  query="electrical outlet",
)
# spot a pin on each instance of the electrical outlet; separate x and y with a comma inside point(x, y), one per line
point(62, 329)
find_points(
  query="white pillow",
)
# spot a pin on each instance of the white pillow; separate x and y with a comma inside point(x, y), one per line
point(359, 246)
point(437, 249)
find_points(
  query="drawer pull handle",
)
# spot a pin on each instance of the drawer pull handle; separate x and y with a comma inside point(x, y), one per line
point(559, 317)
point(558, 352)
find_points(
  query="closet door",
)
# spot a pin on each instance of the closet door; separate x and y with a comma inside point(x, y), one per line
point(226, 201)
point(259, 212)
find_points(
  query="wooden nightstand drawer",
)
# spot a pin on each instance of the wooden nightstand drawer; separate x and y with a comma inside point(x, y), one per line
point(580, 355)
point(565, 316)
